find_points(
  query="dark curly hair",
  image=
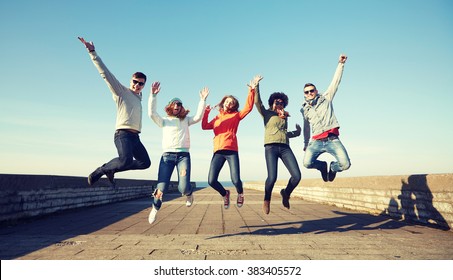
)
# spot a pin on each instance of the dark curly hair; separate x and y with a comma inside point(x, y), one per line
point(278, 95)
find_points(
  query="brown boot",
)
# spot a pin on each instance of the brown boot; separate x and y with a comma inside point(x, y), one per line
point(266, 207)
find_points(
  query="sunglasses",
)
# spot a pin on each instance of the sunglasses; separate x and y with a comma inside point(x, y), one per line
point(309, 91)
point(178, 104)
point(139, 83)
point(278, 103)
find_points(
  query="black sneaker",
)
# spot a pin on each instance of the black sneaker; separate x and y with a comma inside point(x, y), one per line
point(324, 172)
point(95, 176)
point(332, 174)
point(111, 176)
point(285, 198)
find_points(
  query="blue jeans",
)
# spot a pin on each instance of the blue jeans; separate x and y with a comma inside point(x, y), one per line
point(273, 152)
point(129, 147)
point(332, 146)
point(217, 162)
point(167, 164)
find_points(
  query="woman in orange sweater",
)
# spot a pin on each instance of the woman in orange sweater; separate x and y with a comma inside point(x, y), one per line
point(225, 126)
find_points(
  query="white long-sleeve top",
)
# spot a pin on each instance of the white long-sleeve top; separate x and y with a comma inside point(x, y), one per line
point(175, 133)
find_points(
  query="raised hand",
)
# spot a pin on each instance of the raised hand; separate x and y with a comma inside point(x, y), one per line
point(88, 45)
point(342, 58)
point(298, 128)
point(255, 81)
point(155, 88)
point(204, 92)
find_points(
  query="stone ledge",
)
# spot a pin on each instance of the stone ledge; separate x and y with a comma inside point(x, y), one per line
point(27, 196)
point(421, 198)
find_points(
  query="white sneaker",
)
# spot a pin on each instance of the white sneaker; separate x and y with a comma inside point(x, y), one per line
point(189, 200)
point(152, 215)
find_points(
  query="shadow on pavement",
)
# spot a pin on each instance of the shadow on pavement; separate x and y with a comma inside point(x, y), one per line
point(343, 223)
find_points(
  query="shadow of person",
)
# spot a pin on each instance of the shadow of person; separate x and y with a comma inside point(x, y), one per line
point(341, 222)
point(416, 202)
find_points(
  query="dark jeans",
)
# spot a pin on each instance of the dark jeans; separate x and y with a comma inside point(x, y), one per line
point(273, 152)
point(129, 147)
point(217, 162)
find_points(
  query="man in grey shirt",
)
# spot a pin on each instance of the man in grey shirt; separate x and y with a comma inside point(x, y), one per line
point(318, 113)
point(131, 152)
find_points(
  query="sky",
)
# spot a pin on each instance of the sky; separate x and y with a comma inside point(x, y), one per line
point(394, 104)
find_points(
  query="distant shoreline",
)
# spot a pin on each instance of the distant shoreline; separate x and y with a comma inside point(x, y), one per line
point(204, 184)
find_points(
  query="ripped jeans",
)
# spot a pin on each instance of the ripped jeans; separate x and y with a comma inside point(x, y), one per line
point(167, 164)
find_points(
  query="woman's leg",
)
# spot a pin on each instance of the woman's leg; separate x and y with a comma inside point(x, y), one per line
point(217, 162)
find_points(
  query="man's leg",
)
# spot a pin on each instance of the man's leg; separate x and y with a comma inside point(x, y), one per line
point(124, 147)
point(313, 151)
point(336, 148)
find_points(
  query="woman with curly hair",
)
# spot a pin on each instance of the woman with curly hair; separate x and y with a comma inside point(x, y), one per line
point(276, 145)
point(225, 126)
point(175, 144)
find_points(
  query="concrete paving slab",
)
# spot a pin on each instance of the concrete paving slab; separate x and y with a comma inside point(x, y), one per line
point(207, 231)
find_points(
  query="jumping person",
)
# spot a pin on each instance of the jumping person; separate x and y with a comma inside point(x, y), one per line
point(175, 144)
point(317, 111)
point(225, 127)
point(276, 145)
point(132, 154)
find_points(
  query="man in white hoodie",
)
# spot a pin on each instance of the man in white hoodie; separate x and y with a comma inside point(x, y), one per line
point(175, 144)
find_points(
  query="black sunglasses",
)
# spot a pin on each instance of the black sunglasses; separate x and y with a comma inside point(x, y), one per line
point(279, 103)
point(178, 104)
point(309, 91)
point(139, 83)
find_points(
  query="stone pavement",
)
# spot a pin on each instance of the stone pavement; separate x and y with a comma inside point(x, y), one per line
point(206, 231)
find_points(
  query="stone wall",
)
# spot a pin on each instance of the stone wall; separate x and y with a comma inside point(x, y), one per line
point(424, 199)
point(26, 196)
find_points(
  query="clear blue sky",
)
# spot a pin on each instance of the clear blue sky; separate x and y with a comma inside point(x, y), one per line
point(394, 105)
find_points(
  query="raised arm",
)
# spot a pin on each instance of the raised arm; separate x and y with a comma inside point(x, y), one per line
point(204, 92)
point(250, 97)
point(152, 104)
point(114, 85)
point(333, 87)
point(258, 102)
point(204, 122)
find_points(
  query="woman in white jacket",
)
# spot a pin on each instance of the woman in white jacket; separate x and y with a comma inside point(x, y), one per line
point(175, 144)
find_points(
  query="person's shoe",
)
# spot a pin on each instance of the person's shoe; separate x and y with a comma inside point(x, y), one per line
point(285, 198)
point(226, 200)
point(240, 200)
point(266, 207)
point(332, 174)
point(324, 172)
point(189, 200)
point(152, 215)
point(111, 177)
point(95, 176)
